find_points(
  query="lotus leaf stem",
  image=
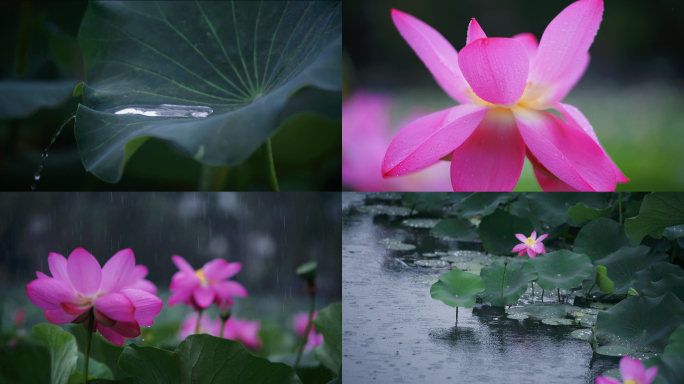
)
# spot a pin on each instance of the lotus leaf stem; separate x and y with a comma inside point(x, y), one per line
point(503, 278)
point(312, 290)
point(587, 295)
point(542, 295)
point(199, 317)
point(89, 337)
point(213, 178)
point(268, 156)
point(558, 291)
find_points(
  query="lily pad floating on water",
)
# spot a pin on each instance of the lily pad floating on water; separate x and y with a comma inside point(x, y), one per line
point(518, 277)
point(517, 316)
point(581, 334)
point(246, 61)
point(614, 350)
point(557, 321)
point(643, 323)
point(432, 263)
point(540, 311)
point(586, 321)
point(457, 288)
point(420, 223)
point(561, 269)
point(426, 279)
point(396, 245)
point(389, 210)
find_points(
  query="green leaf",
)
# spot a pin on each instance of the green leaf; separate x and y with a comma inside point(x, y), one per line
point(481, 203)
point(656, 272)
point(459, 228)
point(497, 231)
point(19, 99)
point(670, 369)
point(328, 322)
point(153, 365)
point(95, 368)
point(675, 345)
point(276, 340)
point(581, 213)
point(562, 269)
point(623, 265)
point(600, 238)
point(642, 323)
point(658, 211)
point(518, 276)
point(541, 311)
point(100, 350)
point(674, 232)
point(669, 283)
point(255, 64)
point(78, 91)
point(552, 208)
point(26, 364)
point(457, 288)
point(63, 351)
point(605, 284)
point(614, 350)
point(423, 201)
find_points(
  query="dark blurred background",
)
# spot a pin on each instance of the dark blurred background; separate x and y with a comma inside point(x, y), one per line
point(631, 92)
point(39, 43)
point(269, 233)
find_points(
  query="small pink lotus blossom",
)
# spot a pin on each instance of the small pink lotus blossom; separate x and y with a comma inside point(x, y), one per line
point(79, 284)
point(207, 285)
point(632, 372)
point(314, 338)
point(366, 134)
point(19, 317)
point(531, 244)
point(244, 331)
point(505, 85)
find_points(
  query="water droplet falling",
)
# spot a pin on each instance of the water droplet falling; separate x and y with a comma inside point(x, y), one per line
point(36, 176)
point(164, 110)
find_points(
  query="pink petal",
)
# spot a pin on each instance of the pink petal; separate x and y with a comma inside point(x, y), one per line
point(75, 309)
point(631, 369)
point(58, 316)
point(496, 68)
point(568, 153)
point(492, 158)
point(144, 285)
point(111, 335)
point(117, 271)
point(521, 237)
point(139, 273)
point(566, 84)
point(529, 41)
point(607, 380)
point(542, 237)
point(182, 264)
point(428, 139)
point(127, 329)
point(575, 118)
point(103, 319)
point(226, 289)
point(147, 305)
point(48, 293)
point(475, 32)
point(41, 275)
point(519, 247)
point(84, 272)
point(522, 251)
point(219, 269)
point(180, 296)
point(565, 42)
point(531, 252)
point(649, 375)
point(204, 296)
point(547, 181)
point(533, 235)
point(438, 55)
point(116, 306)
point(540, 248)
point(58, 266)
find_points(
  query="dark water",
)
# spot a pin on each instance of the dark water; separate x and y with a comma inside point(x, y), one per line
point(394, 332)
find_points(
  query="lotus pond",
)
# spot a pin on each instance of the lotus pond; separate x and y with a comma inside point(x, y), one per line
point(609, 285)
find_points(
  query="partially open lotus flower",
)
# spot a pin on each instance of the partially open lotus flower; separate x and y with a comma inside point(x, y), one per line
point(314, 337)
point(632, 372)
point(505, 86)
point(244, 331)
point(530, 245)
point(79, 284)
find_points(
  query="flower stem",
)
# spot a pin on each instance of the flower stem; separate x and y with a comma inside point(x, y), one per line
point(312, 290)
point(89, 337)
point(587, 295)
point(558, 292)
point(503, 278)
point(270, 167)
point(199, 317)
point(212, 178)
point(542, 295)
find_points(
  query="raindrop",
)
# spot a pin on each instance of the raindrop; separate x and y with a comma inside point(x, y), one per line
point(164, 110)
point(36, 176)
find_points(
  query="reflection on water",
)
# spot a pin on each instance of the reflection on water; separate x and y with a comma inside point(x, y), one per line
point(394, 332)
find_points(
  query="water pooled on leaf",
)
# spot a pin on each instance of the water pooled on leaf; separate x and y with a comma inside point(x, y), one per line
point(164, 110)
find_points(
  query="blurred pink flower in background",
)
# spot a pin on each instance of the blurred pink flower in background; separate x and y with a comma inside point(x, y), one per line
point(314, 338)
point(79, 284)
point(530, 245)
point(19, 318)
point(207, 285)
point(632, 372)
point(505, 84)
point(366, 134)
point(244, 331)
point(208, 326)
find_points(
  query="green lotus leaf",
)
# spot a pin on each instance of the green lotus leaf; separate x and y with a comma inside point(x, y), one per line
point(642, 323)
point(497, 231)
point(540, 311)
point(213, 79)
point(518, 277)
point(656, 272)
point(675, 345)
point(670, 369)
point(614, 350)
point(457, 288)
point(599, 238)
point(481, 203)
point(623, 265)
point(658, 211)
point(63, 351)
point(580, 213)
point(329, 323)
point(581, 334)
point(552, 208)
point(557, 321)
point(19, 99)
point(420, 223)
point(562, 269)
point(101, 350)
point(423, 201)
point(669, 283)
point(605, 284)
point(459, 228)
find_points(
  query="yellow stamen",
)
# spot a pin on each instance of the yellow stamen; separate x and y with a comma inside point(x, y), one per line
point(200, 275)
point(630, 382)
point(530, 242)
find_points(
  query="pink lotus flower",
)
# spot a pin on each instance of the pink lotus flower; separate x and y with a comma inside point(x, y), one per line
point(206, 285)
point(19, 317)
point(505, 84)
point(366, 134)
point(314, 338)
point(244, 331)
point(531, 244)
point(79, 284)
point(632, 372)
